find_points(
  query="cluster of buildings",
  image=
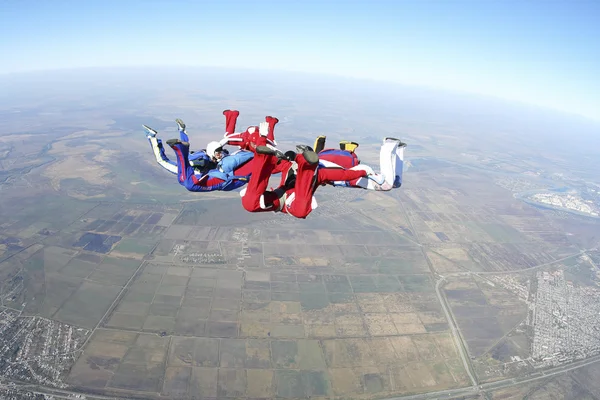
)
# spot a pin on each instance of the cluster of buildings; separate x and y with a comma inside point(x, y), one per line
point(565, 321)
point(203, 258)
point(34, 349)
point(11, 391)
point(180, 251)
point(567, 201)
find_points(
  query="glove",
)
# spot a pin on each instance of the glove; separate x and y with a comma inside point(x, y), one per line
point(263, 129)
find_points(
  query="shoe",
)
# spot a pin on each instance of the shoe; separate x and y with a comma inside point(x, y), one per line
point(377, 178)
point(173, 142)
point(149, 131)
point(385, 187)
point(270, 151)
point(320, 143)
point(180, 125)
point(348, 146)
point(301, 148)
point(310, 156)
point(391, 139)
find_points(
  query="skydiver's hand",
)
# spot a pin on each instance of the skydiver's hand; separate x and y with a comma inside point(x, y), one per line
point(263, 129)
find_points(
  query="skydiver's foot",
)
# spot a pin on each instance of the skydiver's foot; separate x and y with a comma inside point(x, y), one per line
point(348, 146)
point(377, 178)
point(310, 156)
point(271, 151)
point(149, 131)
point(320, 143)
point(391, 139)
point(383, 187)
point(173, 142)
point(180, 125)
point(301, 148)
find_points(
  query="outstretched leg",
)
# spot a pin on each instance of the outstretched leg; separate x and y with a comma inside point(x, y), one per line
point(272, 121)
point(334, 158)
point(184, 169)
point(231, 138)
point(159, 151)
point(231, 117)
point(399, 164)
point(391, 158)
point(337, 174)
point(256, 198)
point(182, 133)
point(320, 144)
point(373, 181)
point(300, 203)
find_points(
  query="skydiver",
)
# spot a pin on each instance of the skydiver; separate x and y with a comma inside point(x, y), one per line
point(391, 160)
point(197, 172)
point(199, 160)
point(232, 170)
point(293, 196)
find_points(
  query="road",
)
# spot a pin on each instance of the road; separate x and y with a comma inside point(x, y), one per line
point(448, 394)
point(454, 329)
point(461, 347)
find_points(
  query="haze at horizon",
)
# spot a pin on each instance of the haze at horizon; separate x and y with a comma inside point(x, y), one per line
point(542, 54)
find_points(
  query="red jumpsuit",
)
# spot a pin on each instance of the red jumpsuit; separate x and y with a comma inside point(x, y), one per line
point(308, 178)
point(247, 139)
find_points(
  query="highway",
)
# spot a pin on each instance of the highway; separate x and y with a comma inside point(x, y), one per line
point(454, 329)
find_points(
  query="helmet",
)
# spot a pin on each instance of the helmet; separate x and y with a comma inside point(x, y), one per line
point(212, 148)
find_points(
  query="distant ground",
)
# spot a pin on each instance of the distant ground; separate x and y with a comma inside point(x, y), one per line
point(116, 281)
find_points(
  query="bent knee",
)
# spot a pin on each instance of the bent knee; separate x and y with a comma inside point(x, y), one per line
point(250, 204)
point(299, 212)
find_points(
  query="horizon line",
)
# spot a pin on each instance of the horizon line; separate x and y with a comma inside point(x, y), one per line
point(217, 68)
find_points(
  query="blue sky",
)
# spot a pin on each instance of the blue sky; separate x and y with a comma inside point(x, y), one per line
point(543, 52)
